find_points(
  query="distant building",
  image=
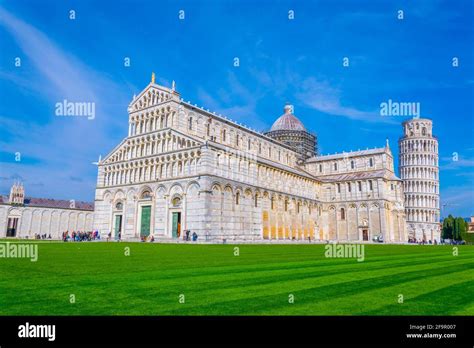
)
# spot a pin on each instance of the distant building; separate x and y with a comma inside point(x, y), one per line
point(470, 223)
point(23, 217)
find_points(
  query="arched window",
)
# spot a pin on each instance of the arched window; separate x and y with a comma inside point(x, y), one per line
point(119, 206)
point(343, 214)
point(335, 166)
point(256, 201)
point(237, 198)
point(272, 203)
point(146, 194)
point(349, 187)
point(371, 162)
point(248, 145)
point(352, 165)
point(286, 205)
point(190, 124)
point(338, 188)
point(423, 131)
point(223, 135)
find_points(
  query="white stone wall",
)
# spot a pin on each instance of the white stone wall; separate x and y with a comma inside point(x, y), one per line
point(47, 221)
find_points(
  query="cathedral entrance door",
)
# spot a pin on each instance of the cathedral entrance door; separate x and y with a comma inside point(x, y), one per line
point(176, 225)
point(365, 235)
point(145, 221)
point(117, 226)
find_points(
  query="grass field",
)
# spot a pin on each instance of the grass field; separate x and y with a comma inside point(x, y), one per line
point(215, 282)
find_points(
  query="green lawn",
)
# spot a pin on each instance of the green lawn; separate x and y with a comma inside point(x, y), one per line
point(215, 282)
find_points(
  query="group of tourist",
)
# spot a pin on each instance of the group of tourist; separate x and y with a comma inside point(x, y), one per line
point(453, 242)
point(42, 236)
point(187, 237)
point(149, 238)
point(421, 241)
point(80, 236)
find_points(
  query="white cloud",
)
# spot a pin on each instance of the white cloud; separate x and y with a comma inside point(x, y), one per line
point(316, 94)
point(459, 164)
point(321, 96)
point(63, 146)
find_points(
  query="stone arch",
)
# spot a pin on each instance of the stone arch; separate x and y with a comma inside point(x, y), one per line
point(216, 187)
point(192, 187)
point(131, 193)
point(107, 196)
point(81, 222)
point(13, 211)
point(144, 189)
point(72, 221)
point(64, 225)
point(175, 188)
point(119, 195)
point(228, 188)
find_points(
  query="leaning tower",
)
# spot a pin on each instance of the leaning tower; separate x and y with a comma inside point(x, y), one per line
point(418, 164)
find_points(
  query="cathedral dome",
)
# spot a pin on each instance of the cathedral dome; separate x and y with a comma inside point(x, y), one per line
point(287, 121)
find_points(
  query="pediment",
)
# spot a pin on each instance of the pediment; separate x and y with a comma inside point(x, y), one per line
point(153, 94)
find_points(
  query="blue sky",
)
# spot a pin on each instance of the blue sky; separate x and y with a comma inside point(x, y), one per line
point(281, 60)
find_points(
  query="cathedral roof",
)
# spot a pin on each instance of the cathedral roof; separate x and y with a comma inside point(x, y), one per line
point(57, 203)
point(349, 154)
point(383, 173)
point(288, 121)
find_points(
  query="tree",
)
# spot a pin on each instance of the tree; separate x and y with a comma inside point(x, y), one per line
point(448, 227)
point(454, 228)
point(460, 228)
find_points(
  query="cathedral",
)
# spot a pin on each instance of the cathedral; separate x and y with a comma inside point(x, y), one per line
point(183, 170)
